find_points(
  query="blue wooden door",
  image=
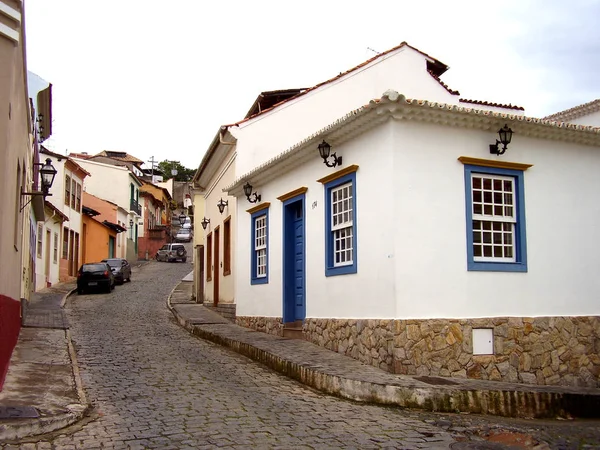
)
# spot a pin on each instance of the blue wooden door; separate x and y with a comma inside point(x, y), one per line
point(294, 295)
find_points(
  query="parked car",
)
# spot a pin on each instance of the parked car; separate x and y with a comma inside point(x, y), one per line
point(120, 269)
point(184, 235)
point(187, 223)
point(96, 276)
point(172, 252)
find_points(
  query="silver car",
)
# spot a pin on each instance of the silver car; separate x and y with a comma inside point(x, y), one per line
point(172, 252)
point(183, 235)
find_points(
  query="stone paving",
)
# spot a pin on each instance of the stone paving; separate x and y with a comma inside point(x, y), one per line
point(44, 309)
point(153, 385)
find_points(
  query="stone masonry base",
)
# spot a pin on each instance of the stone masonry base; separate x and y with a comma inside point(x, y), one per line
point(542, 350)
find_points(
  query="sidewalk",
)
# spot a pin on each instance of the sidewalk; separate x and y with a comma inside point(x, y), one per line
point(42, 391)
point(342, 376)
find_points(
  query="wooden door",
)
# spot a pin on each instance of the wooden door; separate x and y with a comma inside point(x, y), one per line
point(216, 235)
point(47, 259)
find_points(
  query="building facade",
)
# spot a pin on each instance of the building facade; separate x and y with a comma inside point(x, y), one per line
point(426, 254)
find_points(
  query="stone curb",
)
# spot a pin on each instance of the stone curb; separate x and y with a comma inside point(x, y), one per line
point(501, 401)
point(28, 428)
point(66, 296)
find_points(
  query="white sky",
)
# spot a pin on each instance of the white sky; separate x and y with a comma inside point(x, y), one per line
point(157, 78)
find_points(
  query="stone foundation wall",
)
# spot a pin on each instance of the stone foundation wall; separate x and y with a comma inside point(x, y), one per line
point(269, 325)
point(544, 350)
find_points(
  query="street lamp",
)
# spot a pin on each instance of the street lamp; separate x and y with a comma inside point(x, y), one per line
point(248, 192)
point(47, 174)
point(324, 150)
point(505, 135)
point(221, 204)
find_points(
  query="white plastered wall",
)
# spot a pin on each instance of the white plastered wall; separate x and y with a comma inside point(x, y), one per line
point(370, 292)
point(411, 231)
point(273, 132)
point(562, 213)
point(225, 175)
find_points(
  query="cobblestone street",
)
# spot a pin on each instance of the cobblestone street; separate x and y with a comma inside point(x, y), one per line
point(153, 385)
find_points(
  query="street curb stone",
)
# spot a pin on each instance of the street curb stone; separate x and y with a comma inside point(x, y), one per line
point(355, 381)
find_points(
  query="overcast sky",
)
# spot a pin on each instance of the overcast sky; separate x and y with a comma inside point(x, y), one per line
point(157, 78)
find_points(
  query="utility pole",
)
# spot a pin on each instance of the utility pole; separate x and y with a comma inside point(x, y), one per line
point(151, 161)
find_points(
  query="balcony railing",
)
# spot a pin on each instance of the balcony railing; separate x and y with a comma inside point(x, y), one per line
point(135, 207)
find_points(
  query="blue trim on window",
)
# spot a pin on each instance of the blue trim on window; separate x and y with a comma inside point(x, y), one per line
point(330, 269)
point(520, 265)
point(253, 266)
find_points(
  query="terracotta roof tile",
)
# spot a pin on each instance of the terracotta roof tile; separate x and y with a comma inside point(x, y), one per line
point(444, 85)
point(486, 103)
point(122, 156)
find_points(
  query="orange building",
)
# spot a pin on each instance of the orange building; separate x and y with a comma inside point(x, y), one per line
point(99, 238)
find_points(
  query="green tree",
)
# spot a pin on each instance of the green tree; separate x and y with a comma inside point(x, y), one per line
point(183, 173)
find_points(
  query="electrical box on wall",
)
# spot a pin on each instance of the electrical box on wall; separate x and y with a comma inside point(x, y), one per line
point(483, 341)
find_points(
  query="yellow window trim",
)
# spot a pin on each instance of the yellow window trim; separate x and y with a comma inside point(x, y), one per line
point(257, 208)
point(291, 194)
point(494, 163)
point(338, 174)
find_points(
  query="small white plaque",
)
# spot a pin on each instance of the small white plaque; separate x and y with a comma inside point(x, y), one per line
point(483, 341)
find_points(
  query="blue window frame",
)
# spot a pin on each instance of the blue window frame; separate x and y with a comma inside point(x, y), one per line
point(340, 226)
point(259, 264)
point(495, 210)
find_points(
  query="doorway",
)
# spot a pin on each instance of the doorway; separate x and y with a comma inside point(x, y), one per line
point(216, 235)
point(47, 258)
point(294, 282)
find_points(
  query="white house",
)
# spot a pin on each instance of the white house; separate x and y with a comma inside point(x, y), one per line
point(59, 241)
point(119, 185)
point(279, 119)
point(215, 218)
point(422, 252)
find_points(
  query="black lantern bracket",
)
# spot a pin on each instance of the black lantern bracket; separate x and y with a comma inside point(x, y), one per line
point(505, 135)
point(205, 223)
point(47, 173)
point(252, 197)
point(325, 152)
point(221, 204)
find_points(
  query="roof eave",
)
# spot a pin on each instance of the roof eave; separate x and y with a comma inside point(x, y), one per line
point(397, 106)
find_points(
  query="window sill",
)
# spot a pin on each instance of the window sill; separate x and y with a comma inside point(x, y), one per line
point(343, 270)
point(473, 266)
point(264, 280)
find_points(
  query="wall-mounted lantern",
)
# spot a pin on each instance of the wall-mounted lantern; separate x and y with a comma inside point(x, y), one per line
point(505, 135)
point(324, 151)
point(130, 223)
point(47, 174)
point(248, 192)
point(221, 204)
point(205, 223)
